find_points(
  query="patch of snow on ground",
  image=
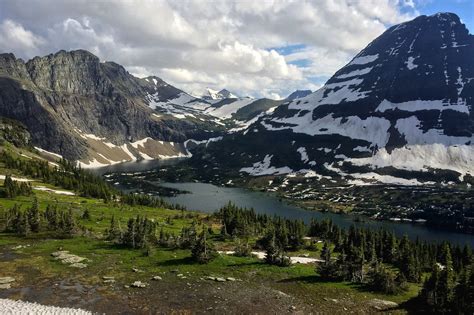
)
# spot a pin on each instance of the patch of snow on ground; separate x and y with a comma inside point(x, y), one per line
point(18, 179)
point(459, 158)
point(207, 141)
point(8, 306)
point(371, 178)
point(410, 63)
point(48, 152)
point(264, 168)
point(362, 149)
point(363, 60)
point(303, 153)
point(418, 105)
point(410, 128)
point(294, 259)
point(140, 142)
point(371, 129)
point(59, 192)
point(355, 73)
point(226, 111)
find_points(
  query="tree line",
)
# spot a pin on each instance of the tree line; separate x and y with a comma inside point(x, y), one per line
point(72, 177)
point(25, 222)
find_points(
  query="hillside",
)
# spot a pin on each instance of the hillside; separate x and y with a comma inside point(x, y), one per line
point(83, 109)
point(401, 112)
point(48, 251)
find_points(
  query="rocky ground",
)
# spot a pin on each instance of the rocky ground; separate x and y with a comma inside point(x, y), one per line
point(146, 292)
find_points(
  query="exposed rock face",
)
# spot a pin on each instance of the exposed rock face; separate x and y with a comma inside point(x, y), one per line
point(298, 94)
point(403, 105)
point(63, 97)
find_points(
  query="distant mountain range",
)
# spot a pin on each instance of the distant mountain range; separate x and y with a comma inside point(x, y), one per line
point(211, 94)
point(400, 112)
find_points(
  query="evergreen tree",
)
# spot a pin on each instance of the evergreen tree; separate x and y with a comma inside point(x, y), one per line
point(447, 279)
point(34, 216)
point(114, 233)
point(203, 250)
point(22, 226)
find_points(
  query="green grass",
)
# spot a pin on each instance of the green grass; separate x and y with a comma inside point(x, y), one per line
point(109, 259)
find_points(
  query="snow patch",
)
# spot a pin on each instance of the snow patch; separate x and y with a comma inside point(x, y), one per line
point(48, 152)
point(418, 105)
point(355, 73)
point(459, 158)
point(8, 306)
point(371, 129)
point(410, 63)
point(264, 168)
point(363, 60)
point(303, 153)
point(59, 192)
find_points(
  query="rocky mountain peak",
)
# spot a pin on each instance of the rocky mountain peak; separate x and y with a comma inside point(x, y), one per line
point(75, 72)
point(403, 104)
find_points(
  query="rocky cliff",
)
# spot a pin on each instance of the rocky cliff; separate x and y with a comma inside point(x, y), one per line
point(84, 109)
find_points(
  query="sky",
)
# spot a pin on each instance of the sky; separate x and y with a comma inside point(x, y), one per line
point(259, 48)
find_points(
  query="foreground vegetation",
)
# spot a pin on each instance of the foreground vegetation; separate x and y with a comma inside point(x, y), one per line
point(126, 231)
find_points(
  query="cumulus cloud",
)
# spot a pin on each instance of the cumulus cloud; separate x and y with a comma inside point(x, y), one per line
point(197, 43)
point(15, 37)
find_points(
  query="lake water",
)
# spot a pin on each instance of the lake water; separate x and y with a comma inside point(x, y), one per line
point(209, 198)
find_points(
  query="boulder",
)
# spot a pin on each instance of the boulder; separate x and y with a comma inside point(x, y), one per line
point(5, 280)
point(139, 284)
point(78, 265)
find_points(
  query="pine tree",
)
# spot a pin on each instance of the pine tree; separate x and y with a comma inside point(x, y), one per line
point(22, 225)
point(203, 250)
point(86, 215)
point(430, 291)
point(34, 216)
point(68, 223)
point(447, 280)
point(114, 233)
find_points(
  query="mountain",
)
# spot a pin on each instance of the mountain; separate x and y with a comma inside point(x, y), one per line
point(298, 94)
point(400, 112)
point(96, 112)
point(211, 94)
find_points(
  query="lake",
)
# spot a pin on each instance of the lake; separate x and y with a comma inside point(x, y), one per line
point(209, 198)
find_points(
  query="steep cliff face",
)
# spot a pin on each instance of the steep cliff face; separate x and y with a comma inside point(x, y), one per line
point(70, 101)
point(403, 106)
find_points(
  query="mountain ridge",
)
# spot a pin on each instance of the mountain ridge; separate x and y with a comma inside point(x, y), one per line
point(403, 105)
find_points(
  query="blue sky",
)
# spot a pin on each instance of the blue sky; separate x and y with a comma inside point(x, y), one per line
point(463, 8)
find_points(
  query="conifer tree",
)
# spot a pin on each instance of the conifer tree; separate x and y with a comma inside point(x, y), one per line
point(34, 216)
point(203, 250)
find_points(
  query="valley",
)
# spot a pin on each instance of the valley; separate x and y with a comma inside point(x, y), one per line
point(447, 207)
point(104, 279)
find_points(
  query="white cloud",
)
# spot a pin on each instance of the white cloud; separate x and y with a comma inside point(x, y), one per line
point(14, 37)
point(197, 43)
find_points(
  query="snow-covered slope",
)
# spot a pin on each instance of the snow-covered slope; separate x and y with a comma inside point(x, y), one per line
point(210, 94)
point(212, 106)
point(404, 104)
